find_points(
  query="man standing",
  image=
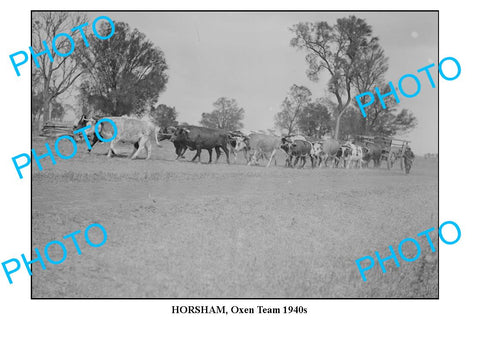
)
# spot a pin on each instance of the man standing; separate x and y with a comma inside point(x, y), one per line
point(408, 158)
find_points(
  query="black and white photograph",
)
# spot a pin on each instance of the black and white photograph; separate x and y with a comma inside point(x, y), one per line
point(234, 155)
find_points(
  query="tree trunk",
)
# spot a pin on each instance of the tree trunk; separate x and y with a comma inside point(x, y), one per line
point(45, 112)
point(337, 123)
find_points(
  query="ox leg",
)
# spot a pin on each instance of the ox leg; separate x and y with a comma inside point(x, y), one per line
point(111, 150)
point(304, 161)
point(141, 145)
point(183, 149)
point(135, 149)
point(232, 151)
point(210, 156)
point(199, 151)
point(178, 151)
point(245, 154)
point(227, 154)
point(218, 152)
point(300, 160)
point(95, 140)
point(313, 162)
point(148, 147)
point(271, 157)
point(253, 158)
point(296, 161)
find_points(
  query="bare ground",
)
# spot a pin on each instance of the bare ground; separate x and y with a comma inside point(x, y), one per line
point(183, 230)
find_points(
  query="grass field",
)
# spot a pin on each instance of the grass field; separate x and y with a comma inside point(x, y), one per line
point(177, 229)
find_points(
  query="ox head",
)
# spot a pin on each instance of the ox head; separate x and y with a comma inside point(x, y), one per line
point(233, 138)
point(316, 149)
point(165, 133)
point(286, 144)
point(344, 151)
point(84, 121)
point(180, 134)
point(241, 143)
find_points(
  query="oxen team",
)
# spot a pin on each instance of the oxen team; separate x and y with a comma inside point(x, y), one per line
point(254, 146)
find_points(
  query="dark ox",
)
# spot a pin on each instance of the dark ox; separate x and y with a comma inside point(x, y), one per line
point(373, 152)
point(84, 121)
point(299, 149)
point(198, 138)
point(167, 133)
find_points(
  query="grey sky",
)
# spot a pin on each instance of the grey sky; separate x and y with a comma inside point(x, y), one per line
point(247, 56)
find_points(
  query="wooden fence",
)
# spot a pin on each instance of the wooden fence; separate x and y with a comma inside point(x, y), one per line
point(56, 129)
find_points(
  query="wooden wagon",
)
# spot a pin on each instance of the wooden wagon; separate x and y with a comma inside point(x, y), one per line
point(392, 148)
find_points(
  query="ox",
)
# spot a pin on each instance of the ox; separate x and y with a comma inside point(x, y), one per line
point(317, 152)
point(130, 130)
point(287, 142)
point(355, 154)
point(198, 138)
point(331, 148)
point(167, 133)
point(237, 144)
point(374, 152)
point(299, 149)
point(261, 145)
point(84, 121)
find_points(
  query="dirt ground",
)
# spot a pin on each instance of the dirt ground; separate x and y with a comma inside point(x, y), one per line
point(183, 230)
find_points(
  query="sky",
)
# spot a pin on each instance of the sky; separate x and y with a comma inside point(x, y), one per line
point(247, 56)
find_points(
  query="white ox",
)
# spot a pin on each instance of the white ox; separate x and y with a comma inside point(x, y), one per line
point(316, 152)
point(355, 155)
point(136, 131)
point(260, 145)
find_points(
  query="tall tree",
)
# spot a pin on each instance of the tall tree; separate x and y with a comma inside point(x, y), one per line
point(298, 98)
point(315, 120)
point(226, 115)
point(53, 78)
point(383, 122)
point(164, 115)
point(341, 50)
point(126, 73)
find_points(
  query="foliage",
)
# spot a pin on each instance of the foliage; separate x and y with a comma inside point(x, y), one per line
point(386, 123)
point(315, 120)
point(53, 78)
point(380, 121)
point(226, 115)
point(58, 111)
point(346, 50)
point(298, 98)
point(126, 73)
point(164, 116)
